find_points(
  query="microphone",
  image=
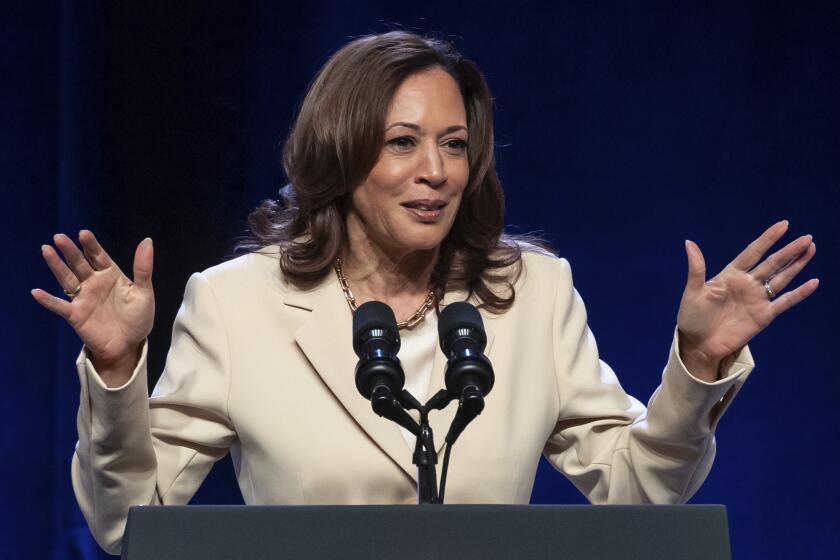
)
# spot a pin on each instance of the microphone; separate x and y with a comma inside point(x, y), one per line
point(469, 374)
point(379, 375)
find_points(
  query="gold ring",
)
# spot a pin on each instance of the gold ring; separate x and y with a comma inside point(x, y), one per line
point(74, 293)
point(770, 293)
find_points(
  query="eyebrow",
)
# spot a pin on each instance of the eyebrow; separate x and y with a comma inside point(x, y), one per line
point(413, 126)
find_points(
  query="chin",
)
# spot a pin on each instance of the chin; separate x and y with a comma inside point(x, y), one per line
point(422, 241)
point(422, 245)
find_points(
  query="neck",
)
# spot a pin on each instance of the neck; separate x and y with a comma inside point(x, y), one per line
point(397, 277)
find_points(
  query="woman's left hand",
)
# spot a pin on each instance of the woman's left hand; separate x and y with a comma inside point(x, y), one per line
point(717, 318)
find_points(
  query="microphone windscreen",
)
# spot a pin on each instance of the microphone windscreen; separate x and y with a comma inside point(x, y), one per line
point(370, 316)
point(458, 316)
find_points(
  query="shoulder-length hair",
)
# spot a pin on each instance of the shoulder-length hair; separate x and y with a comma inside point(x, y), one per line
point(335, 142)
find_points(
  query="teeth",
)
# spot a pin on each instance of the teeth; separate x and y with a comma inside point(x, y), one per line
point(427, 207)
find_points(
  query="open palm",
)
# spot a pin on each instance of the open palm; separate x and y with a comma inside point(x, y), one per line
point(718, 317)
point(110, 313)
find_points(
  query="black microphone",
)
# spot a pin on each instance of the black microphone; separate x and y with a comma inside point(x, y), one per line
point(379, 375)
point(469, 374)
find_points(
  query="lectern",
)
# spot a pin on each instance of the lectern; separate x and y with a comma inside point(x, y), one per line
point(439, 532)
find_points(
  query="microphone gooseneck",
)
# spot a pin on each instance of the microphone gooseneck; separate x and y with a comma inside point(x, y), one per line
point(380, 379)
point(469, 374)
point(376, 341)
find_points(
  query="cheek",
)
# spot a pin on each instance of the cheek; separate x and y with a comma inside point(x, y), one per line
point(461, 172)
point(461, 177)
point(384, 184)
point(375, 196)
point(389, 175)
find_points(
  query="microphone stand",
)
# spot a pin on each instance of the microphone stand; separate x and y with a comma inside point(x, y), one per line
point(425, 455)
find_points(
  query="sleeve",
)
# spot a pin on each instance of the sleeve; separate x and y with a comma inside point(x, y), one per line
point(606, 442)
point(136, 450)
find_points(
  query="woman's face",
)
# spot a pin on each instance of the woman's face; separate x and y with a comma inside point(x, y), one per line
point(410, 199)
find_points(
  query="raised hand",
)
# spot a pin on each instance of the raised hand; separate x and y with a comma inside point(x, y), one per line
point(718, 317)
point(110, 313)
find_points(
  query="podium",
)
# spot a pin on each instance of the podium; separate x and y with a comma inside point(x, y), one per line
point(440, 532)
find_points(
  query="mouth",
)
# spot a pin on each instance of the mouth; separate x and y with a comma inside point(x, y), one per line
point(425, 210)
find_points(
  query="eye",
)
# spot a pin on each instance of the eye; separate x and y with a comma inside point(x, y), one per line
point(402, 143)
point(456, 145)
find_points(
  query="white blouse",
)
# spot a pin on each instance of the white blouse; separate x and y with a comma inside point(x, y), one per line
point(417, 353)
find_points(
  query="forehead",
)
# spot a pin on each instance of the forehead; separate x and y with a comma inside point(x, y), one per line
point(432, 96)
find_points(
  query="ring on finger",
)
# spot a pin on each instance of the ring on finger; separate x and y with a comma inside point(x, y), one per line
point(770, 293)
point(74, 293)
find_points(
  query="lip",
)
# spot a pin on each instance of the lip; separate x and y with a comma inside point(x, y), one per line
point(425, 210)
point(425, 203)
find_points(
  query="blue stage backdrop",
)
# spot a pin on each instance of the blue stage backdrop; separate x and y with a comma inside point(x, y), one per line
point(622, 130)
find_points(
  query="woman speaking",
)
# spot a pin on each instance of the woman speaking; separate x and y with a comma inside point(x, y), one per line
point(393, 196)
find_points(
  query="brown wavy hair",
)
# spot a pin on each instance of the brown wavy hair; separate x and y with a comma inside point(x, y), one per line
point(335, 142)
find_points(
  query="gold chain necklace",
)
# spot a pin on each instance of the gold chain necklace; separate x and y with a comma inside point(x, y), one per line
point(409, 323)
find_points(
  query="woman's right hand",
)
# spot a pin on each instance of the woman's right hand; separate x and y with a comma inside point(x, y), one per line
point(110, 313)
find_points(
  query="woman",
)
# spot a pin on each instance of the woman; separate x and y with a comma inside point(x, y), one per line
point(393, 197)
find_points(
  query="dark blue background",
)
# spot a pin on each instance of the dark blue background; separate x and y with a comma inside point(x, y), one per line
point(622, 130)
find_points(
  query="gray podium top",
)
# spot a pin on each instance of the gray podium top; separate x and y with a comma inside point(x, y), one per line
point(407, 532)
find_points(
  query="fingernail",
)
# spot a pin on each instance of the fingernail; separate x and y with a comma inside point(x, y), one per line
point(44, 248)
point(787, 223)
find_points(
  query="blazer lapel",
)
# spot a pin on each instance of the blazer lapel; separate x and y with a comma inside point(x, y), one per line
point(325, 338)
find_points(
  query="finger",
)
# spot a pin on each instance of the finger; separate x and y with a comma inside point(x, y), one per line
point(776, 262)
point(696, 266)
point(66, 279)
point(789, 299)
point(783, 278)
point(96, 255)
point(75, 259)
point(56, 305)
point(143, 262)
point(755, 250)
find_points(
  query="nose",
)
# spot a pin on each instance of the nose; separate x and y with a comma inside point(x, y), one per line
point(431, 168)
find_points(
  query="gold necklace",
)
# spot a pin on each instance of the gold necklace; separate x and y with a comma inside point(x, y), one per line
point(409, 323)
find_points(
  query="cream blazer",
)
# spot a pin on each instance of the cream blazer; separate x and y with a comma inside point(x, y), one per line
point(265, 370)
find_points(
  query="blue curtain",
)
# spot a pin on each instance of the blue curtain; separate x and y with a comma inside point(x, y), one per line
point(622, 130)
